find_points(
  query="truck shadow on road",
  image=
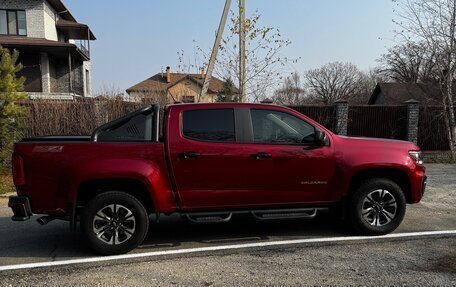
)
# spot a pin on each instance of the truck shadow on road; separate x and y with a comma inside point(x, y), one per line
point(173, 232)
point(55, 242)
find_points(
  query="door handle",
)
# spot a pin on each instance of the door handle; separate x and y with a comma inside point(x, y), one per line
point(261, 155)
point(189, 154)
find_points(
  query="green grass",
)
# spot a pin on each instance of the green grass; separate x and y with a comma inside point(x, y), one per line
point(6, 181)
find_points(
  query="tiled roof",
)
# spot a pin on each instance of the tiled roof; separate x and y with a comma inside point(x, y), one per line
point(158, 83)
point(399, 93)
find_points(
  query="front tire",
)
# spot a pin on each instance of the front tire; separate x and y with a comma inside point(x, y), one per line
point(377, 207)
point(114, 222)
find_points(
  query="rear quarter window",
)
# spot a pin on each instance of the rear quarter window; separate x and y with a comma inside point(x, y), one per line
point(135, 129)
point(215, 125)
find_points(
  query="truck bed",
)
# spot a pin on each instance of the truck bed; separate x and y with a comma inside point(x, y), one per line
point(58, 164)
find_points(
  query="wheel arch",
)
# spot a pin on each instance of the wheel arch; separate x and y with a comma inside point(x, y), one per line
point(398, 176)
point(88, 189)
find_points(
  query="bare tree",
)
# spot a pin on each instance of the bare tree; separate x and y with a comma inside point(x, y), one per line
point(291, 92)
point(159, 97)
point(265, 63)
point(366, 86)
point(432, 23)
point(409, 63)
point(334, 81)
point(109, 91)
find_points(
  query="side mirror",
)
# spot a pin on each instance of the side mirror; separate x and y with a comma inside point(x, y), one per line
point(320, 138)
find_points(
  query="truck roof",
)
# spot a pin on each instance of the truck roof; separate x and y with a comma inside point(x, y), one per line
point(239, 105)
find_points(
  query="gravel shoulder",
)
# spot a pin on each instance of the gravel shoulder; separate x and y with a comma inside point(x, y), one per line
point(428, 262)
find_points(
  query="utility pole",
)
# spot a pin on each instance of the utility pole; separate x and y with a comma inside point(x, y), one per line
point(218, 39)
point(242, 69)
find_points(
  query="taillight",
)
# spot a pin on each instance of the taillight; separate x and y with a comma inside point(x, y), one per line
point(18, 170)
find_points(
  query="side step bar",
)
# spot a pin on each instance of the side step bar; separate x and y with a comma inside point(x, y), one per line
point(267, 214)
point(285, 214)
point(201, 218)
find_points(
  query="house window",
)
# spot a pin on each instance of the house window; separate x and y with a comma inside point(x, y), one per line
point(188, 99)
point(13, 22)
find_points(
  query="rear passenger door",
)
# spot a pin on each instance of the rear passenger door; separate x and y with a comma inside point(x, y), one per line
point(204, 157)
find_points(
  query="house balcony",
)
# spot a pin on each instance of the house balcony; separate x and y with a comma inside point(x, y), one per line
point(79, 34)
point(83, 48)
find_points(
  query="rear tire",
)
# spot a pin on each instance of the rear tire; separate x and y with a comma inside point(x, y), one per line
point(114, 222)
point(377, 207)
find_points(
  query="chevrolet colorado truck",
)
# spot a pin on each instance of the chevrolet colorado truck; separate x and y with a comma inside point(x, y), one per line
point(207, 162)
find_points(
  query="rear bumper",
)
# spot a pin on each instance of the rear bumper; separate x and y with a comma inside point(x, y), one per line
point(20, 205)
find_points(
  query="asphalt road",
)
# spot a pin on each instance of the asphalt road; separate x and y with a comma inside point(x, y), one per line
point(421, 261)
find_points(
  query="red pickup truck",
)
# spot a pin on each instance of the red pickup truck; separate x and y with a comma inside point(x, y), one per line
point(208, 162)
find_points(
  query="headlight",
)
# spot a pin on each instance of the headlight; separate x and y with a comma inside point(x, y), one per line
point(416, 156)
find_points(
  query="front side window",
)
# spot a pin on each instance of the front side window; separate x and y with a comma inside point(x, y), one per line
point(209, 125)
point(273, 127)
point(13, 22)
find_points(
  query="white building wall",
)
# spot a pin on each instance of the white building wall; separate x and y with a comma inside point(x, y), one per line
point(50, 19)
point(87, 78)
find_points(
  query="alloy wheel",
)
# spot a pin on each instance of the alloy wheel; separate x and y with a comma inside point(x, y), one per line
point(379, 207)
point(114, 224)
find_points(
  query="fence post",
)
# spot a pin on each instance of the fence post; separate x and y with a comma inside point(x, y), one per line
point(341, 117)
point(98, 109)
point(413, 112)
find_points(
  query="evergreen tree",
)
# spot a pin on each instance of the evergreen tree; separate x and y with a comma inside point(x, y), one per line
point(11, 91)
point(227, 95)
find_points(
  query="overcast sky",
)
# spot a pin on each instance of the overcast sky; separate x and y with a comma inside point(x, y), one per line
point(135, 39)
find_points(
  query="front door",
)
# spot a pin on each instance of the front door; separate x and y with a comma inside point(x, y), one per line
point(282, 164)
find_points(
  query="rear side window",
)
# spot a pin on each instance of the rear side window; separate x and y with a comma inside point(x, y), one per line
point(209, 125)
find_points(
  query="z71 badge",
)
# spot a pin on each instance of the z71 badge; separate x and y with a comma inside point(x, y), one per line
point(48, 148)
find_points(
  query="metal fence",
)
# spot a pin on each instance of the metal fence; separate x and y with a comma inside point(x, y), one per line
point(387, 122)
point(432, 131)
point(321, 114)
point(378, 121)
